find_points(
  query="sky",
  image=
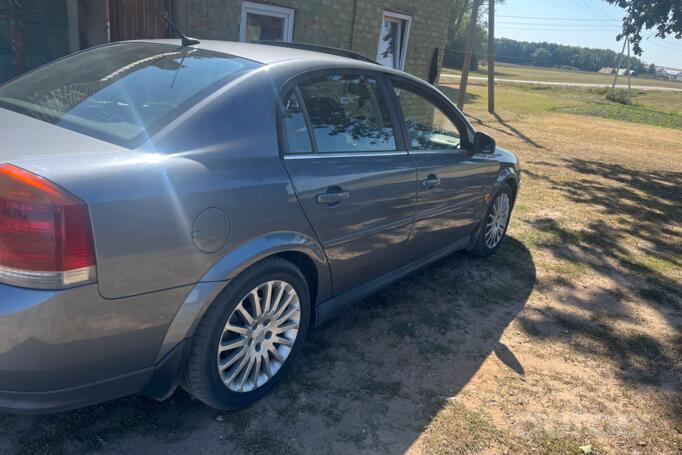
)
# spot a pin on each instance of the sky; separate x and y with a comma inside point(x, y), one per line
point(588, 23)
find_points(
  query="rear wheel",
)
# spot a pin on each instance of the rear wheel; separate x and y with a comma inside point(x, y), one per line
point(494, 223)
point(248, 338)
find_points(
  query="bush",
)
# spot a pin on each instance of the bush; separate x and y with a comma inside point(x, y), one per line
point(619, 96)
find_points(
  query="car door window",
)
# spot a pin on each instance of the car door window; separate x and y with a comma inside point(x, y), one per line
point(348, 113)
point(295, 128)
point(428, 126)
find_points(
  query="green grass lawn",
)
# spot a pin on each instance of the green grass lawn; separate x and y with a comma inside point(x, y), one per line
point(648, 107)
point(531, 73)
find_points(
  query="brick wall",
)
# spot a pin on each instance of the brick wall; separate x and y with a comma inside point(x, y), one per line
point(329, 23)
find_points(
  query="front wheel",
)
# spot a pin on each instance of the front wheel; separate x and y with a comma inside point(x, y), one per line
point(494, 223)
point(248, 338)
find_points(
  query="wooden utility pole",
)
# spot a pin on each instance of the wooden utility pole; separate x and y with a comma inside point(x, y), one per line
point(629, 73)
point(467, 57)
point(615, 79)
point(491, 56)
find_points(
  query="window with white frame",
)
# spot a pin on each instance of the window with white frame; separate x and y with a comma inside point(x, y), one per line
point(395, 31)
point(266, 22)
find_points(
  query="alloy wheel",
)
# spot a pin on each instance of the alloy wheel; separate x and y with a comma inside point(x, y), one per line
point(259, 336)
point(497, 221)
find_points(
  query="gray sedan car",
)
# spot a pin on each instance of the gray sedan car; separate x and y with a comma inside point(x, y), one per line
point(181, 215)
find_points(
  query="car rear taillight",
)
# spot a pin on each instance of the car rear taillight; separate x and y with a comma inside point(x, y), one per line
point(45, 233)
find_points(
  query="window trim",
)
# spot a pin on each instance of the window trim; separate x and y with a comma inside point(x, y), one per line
point(288, 14)
point(405, 28)
point(282, 131)
point(466, 132)
point(293, 84)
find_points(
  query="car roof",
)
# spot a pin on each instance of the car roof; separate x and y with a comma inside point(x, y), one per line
point(263, 53)
point(267, 54)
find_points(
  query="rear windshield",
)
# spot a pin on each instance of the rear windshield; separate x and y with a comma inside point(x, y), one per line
point(121, 93)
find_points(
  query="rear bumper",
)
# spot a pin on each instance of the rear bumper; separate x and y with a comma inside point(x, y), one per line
point(65, 349)
point(158, 382)
point(53, 401)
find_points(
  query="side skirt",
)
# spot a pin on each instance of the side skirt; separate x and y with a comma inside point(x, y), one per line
point(336, 305)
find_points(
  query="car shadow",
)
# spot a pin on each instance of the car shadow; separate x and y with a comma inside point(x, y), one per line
point(368, 381)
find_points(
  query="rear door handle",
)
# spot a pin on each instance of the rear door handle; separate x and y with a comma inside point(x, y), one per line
point(430, 182)
point(332, 197)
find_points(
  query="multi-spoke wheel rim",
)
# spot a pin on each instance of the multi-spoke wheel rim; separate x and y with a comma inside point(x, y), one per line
point(497, 221)
point(258, 336)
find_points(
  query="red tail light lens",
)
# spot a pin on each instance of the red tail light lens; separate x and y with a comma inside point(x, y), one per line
point(45, 233)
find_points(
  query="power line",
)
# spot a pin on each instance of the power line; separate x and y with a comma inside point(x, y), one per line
point(605, 13)
point(672, 49)
point(561, 18)
point(590, 9)
point(536, 24)
point(532, 29)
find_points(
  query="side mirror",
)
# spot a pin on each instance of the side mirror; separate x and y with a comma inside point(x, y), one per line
point(484, 143)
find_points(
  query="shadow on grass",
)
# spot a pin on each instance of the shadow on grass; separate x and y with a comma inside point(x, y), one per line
point(368, 381)
point(646, 206)
point(643, 205)
point(506, 128)
point(453, 94)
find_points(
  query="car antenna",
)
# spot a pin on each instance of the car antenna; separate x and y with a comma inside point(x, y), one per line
point(186, 40)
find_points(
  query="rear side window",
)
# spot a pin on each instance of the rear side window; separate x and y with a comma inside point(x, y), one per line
point(348, 113)
point(295, 128)
point(428, 126)
point(122, 93)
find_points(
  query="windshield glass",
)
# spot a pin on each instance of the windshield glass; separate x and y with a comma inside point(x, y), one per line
point(122, 93)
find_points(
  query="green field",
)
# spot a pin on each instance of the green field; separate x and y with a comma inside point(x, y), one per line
point(531, 73)
point(648, 107)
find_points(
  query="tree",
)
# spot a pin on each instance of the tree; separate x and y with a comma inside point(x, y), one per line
point(582, 58)
point(541, 57)
point(457, 34)
point(652, 69)
point(663, 15)
point(456, 46)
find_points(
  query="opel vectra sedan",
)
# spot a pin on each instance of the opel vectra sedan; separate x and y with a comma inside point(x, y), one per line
point(181, 215)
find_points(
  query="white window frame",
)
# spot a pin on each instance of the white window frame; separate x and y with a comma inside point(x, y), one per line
point(267, 10)
point(405, 26)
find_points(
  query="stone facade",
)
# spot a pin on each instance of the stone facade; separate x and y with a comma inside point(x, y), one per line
point(346, 24)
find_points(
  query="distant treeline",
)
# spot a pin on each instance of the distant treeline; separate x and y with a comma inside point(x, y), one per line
point(542, 54)
point(559, 55)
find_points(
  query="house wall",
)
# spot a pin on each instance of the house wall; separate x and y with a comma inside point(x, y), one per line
point(6, 69)
point(51, 27)
point(330, 23)
point(44, 32)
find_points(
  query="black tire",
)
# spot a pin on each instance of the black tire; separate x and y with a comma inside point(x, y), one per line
point(202, 379)
point(481, 248)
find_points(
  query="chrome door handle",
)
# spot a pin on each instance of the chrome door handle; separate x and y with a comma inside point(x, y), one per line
point(332, 197)
point(430, 182)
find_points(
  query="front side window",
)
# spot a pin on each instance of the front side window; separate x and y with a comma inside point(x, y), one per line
point(428, 126)
point(121, 93)
point(348, 113)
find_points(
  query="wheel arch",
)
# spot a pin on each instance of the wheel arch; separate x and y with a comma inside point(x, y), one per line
point(507, 176)
point(300, 249)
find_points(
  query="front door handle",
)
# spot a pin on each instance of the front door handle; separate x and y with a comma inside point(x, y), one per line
point(333, 196)
point(430, 182)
